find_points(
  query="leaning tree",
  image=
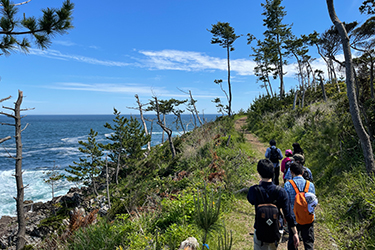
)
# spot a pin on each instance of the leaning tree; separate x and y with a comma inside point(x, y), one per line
point(353, 104)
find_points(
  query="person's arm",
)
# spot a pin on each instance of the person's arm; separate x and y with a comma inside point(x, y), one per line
point(267, 153)
point(251, 195)
point(295, 236)
point(283, 166)
point(287, 210)
point(280, 154)
point(312, 188)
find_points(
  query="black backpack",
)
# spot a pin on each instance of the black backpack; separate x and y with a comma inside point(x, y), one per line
point(287, 166)
point(306, 175)
point(274, 155)
point(267, 216)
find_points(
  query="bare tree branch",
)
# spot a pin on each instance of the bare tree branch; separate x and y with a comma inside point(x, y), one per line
point(25, 127)
point(5, 139)
point(10, 156)
point(6, 98)
point(26, 110)
point(8, 108)
point(17, 4)
point(3, 123)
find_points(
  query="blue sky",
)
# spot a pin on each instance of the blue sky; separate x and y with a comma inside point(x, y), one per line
point(121, 48)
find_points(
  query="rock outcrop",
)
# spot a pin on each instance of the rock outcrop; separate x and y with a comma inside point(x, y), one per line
point(36, 212)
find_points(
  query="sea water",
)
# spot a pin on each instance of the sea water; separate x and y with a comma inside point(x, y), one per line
point(52, 140)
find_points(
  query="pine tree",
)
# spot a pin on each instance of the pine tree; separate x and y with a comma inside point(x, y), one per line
point(128, 138)
point(15, 30)
point(275, 35)
point(224, 36)
point(88, 167)
point(52, 176)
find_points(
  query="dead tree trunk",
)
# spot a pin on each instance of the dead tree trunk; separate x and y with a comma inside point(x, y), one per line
point(140, 105)
point(295, 99)
point(118, 165)
point(165, 128)
point(322, 86)
point(21, 240)
point(192, 101)
point(107, 182)
point(354, 110)
point(165, 125)
point(178, 115)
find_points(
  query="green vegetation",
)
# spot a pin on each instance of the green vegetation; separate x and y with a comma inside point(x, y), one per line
point(161, 200)
point(158, 198)
point(89, 167)
point(334, 155)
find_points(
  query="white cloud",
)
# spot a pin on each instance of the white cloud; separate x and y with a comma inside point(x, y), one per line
point(55, 54)
point(93, 47)
point(104, 87)
point(193, 61)
point(129, 89)
point(179, 60)
point(64, 43)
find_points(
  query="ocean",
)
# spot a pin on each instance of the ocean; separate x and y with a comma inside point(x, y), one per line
point(52, 140)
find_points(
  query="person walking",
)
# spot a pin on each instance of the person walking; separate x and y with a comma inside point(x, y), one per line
point(274, 154)
point(268, 199)
point(306, 174)
point(303, 221)
point(288, 155)
point(297, 149)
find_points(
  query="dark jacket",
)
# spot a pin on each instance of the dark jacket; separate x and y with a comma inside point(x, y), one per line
point(282, 202)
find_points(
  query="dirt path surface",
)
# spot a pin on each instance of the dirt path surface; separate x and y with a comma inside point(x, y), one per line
point(242, 217)
point(258, 146)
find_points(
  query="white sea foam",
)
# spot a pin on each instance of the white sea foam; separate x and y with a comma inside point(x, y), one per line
point(36, 189)
point(108, 135)
point(75, 139)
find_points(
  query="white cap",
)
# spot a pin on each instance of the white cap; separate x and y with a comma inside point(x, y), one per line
point(312, 201)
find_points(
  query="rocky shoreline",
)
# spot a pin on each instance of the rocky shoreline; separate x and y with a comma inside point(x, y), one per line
point(36, 212)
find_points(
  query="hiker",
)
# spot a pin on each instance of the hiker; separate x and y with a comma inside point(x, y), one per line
point(288, 155)
point(307, 175)
point(274, 154)
point(297, 149)
point(268, 199)
point(303, 217)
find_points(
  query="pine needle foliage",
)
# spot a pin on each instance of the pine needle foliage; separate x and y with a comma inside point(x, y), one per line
point(15, 30)
point(127, 139)
point(207, 213)
point(225, 240)
point(88, 167)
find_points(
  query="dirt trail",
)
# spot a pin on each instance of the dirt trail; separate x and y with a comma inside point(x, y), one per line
point(257, 146)
point(244, 214)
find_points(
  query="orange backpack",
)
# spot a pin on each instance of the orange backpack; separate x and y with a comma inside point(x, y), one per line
point(300, 209)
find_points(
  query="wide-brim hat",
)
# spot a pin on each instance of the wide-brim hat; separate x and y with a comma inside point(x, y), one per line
point(299, 158)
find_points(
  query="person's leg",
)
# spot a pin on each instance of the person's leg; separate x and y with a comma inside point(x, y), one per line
point(307, 233)
point(276, 175)
point(265, 246)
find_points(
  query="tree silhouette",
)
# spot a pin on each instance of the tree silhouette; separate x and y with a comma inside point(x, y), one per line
point(223, 34)
point(14, 30)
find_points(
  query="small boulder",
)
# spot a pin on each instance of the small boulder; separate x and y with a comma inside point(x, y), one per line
point(190, 243)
